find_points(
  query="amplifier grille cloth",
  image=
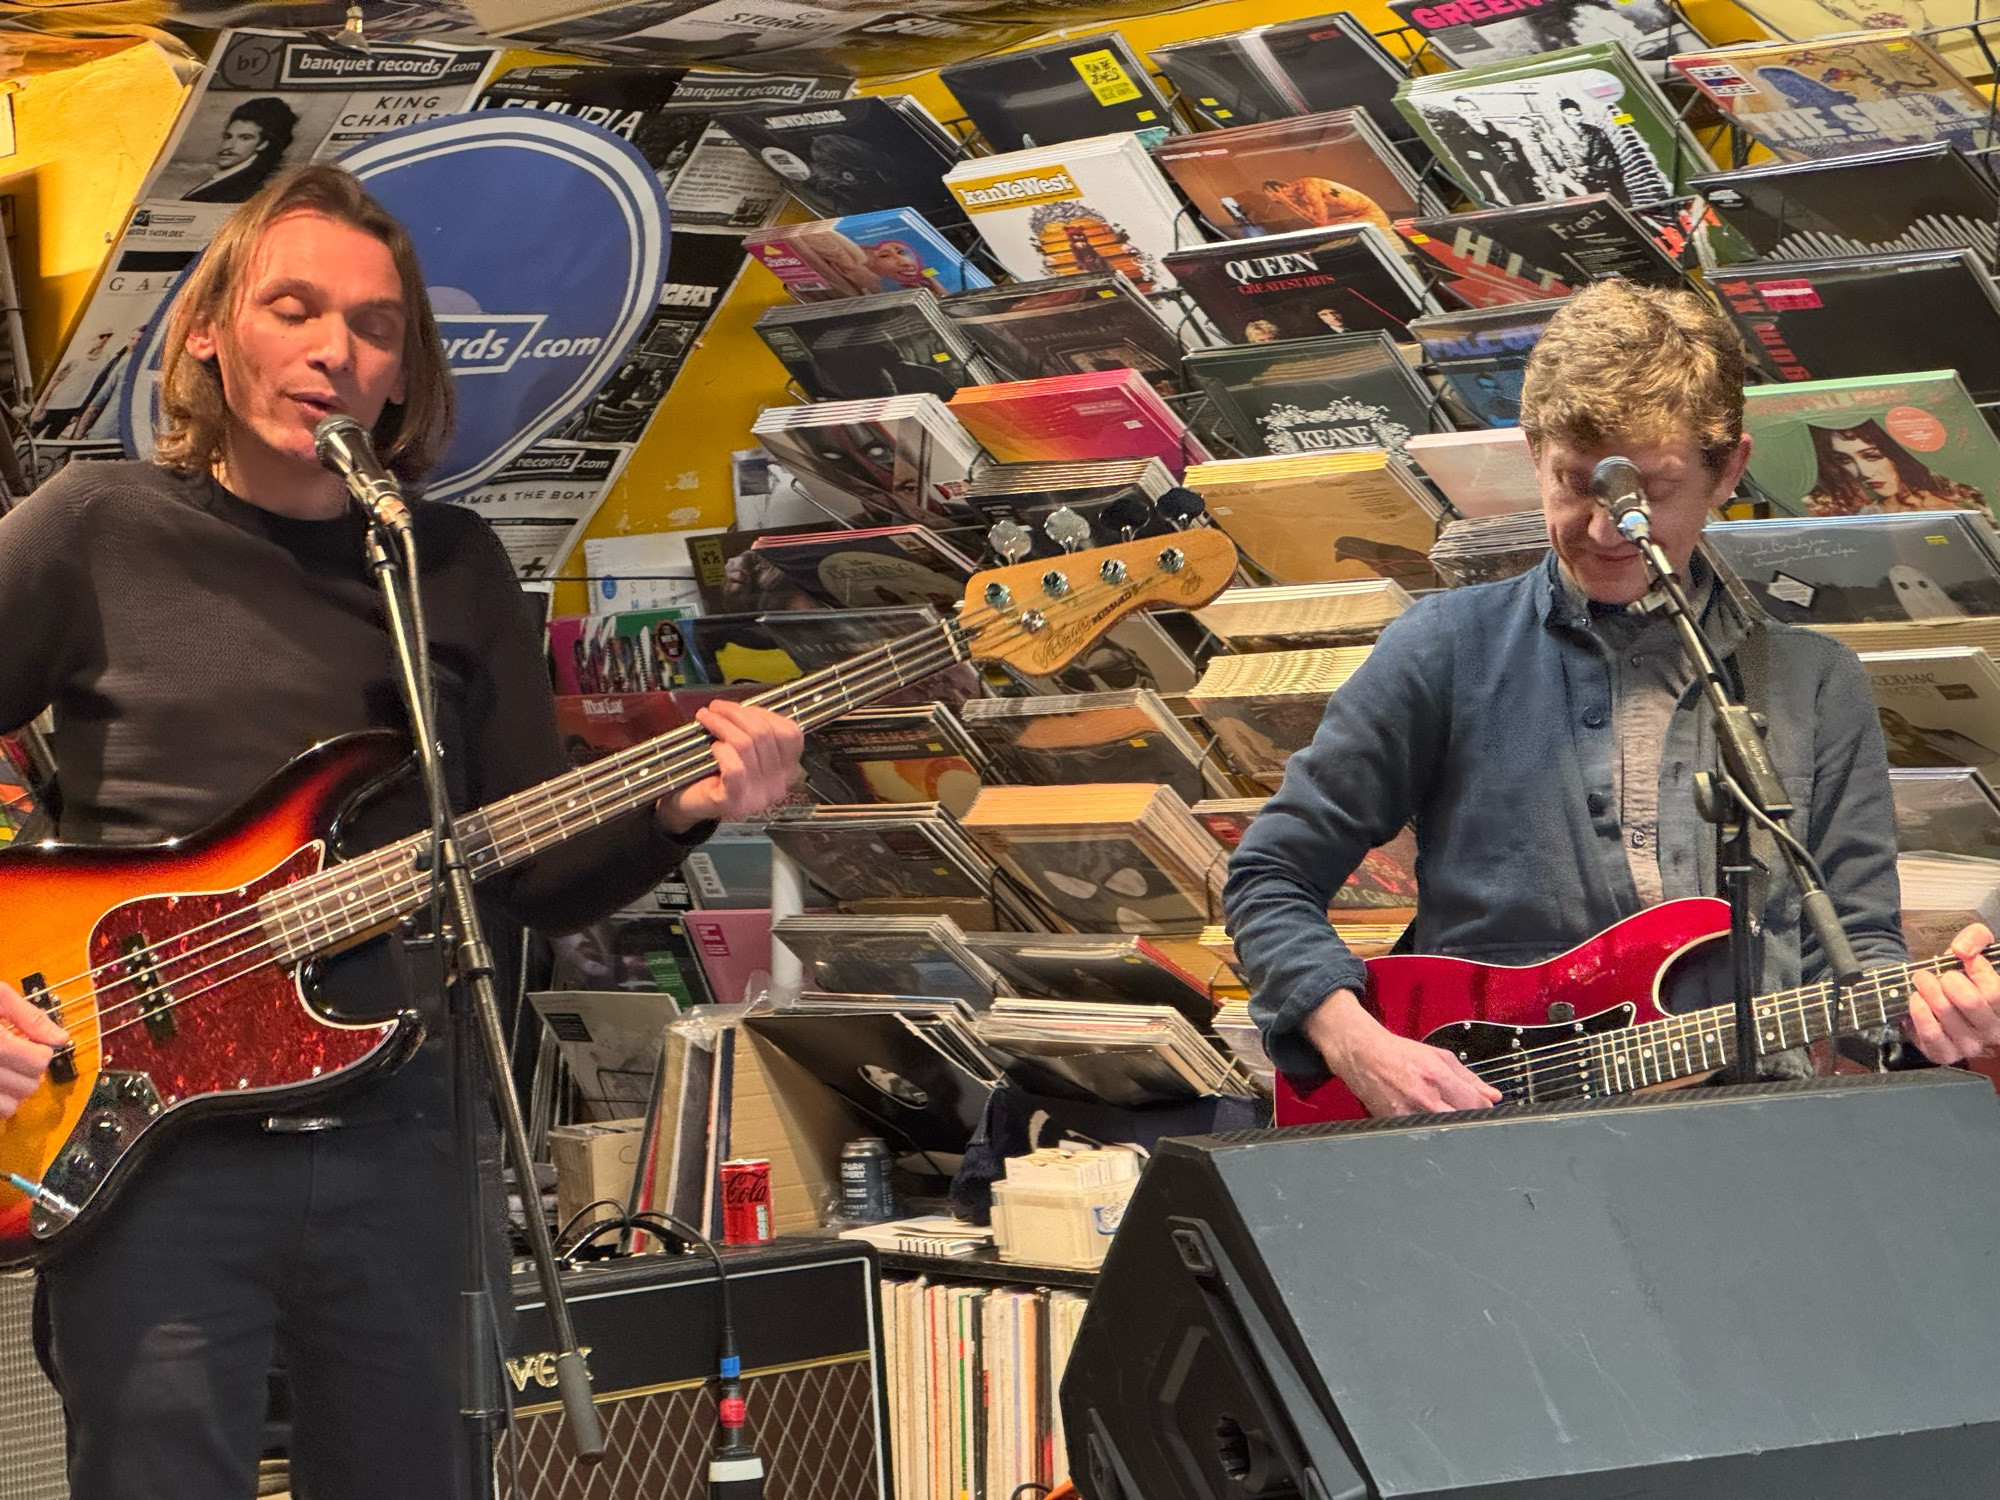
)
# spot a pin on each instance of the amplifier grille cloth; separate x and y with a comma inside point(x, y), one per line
point(31, 1427)
point(813, 1427)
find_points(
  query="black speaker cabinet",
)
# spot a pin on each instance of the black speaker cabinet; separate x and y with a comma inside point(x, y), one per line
point(1787, 1290)
point(31, 1424)
point(808, 1328)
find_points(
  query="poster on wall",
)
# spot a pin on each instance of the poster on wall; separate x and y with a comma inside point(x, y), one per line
point(536, 309)
point(269, 100)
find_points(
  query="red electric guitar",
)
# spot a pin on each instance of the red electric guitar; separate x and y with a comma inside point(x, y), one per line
point(1588, 1022)
point(183, 971)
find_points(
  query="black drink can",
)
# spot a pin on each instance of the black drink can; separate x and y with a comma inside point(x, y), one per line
point(865, 1194)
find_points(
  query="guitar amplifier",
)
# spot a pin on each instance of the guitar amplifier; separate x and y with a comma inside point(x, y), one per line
point(808, 1329)
point(32, 1465)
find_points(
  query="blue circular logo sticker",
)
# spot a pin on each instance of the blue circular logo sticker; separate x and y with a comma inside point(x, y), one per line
point(544, 247)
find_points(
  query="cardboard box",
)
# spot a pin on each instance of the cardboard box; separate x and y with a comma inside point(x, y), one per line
point(594, 1161)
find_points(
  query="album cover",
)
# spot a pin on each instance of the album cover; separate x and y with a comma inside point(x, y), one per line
point(1483, 355)
point(1806, 20)
point(1079, 208)
point(1869, 315)
point(594, 725)
point(1110, 414)
point(854, 156)
point(887, 565)
point(883, 1066)
point(1841, 95)
point(731, 649)
point(1087, 737)
point(891, 344)
point(1939, 705)
point(1547, 249)
point(1946, 810)
point(1292, 68)
point(1069, 325)
point(1468, 35)
point(1562, 125)
point(1881, 443)
point(1932, 565)
point(1303, 173)
point(915, 754)
point(1097, 968)
point(900, 458)
point(1481, 473)
point(631, 651)
point(701, 268)
point(729, 581)
point(889, 956)
point(881, 860)
point(817, 639)
point(890, 250)
point(1345, 279)
point(1347, 390)
point(1065, 91)
point(1324, 516)
point(1267, 707)
point(1114, 497)
point(1926, 197)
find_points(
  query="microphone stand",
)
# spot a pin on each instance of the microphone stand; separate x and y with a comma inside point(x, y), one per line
point(1745, 788)
point(475, 1009)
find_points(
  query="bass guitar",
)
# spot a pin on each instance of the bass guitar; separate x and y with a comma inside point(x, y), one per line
point(183, 971)
point(1589, 1022)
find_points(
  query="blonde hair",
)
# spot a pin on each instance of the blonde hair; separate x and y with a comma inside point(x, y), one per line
point(1620, 362)
point(410, 436)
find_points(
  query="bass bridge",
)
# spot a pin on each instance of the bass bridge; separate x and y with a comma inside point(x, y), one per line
point(1535, 1064)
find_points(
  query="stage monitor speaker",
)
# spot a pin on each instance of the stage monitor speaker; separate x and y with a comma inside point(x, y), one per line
point(1782, 1291)
point(808, 1329)
point(32, 1462)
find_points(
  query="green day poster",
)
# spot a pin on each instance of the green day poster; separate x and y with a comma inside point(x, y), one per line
point(1873, 445)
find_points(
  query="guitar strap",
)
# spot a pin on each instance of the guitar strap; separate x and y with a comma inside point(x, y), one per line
point(1752, 660)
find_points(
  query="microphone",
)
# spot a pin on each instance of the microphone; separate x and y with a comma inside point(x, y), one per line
point(343, 446)
point(1622, 493)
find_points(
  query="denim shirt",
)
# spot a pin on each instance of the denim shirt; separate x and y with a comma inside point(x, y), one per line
point(1484, 717)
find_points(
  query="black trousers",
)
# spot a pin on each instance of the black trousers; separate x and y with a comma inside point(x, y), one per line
point(338, 1249)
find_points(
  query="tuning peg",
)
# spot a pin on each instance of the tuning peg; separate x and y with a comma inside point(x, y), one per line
point(1181, 508)
point(1127, 515)
point(1011, 540)
point(1067, 530)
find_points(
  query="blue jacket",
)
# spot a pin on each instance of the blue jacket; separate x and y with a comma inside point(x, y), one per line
point(1483, 716)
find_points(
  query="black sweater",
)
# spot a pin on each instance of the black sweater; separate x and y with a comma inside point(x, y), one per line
point(192, 643)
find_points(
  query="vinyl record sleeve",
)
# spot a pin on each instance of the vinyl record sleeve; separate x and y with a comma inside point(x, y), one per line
point(859, 255)
point(893, 344)
point(1292, 68)
point(1879, 443)
point(1946, 810)
point(881, 1065)
point(1939, 706)
point(1069, 325)
point(1065, 91)
point(1308, 395)
point(1933, 565)
point(852, 156)
point(1347, 279)
point(1841, 95)
point(1099, 736)
point(1915, 198)
point(1562, 125)
point(1869, 315)
point(881, 567)
point(1303, 173)
point(1484, 355)
point(1469, 35)
point(1553, 247)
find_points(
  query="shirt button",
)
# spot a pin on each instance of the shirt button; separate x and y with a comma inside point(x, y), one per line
point(1593, 717)
point(1597, 802)
point(1638, 660)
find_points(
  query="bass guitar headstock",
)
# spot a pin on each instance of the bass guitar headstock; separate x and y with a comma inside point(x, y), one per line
point(1036, 616)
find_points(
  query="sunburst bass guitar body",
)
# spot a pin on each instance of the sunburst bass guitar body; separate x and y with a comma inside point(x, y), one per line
point(213, 1015)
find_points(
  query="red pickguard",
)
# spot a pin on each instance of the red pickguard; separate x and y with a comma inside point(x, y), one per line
point(1416, 995)
point(252, 1041)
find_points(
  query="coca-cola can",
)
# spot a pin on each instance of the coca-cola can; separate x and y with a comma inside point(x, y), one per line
point(746, 1200)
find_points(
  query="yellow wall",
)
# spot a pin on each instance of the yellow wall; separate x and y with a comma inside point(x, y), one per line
point(86, 137)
